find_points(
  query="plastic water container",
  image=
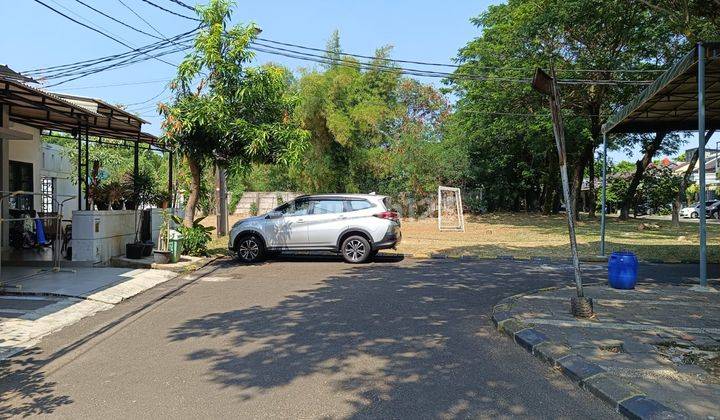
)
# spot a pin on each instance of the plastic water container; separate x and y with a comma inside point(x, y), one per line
point(622, 270)
point(174, 245)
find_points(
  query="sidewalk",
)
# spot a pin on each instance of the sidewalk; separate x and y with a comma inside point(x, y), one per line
point(652, 350)
point(34, 303)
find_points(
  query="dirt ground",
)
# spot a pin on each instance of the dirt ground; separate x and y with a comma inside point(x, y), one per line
point(532, 235)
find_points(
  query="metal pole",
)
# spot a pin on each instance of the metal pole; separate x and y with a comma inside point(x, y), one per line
point(560, 143)
point(604, 187)
point(79, 166)
point(87, 167)
point(136, 168)
point(170, 177)
point(701, 161)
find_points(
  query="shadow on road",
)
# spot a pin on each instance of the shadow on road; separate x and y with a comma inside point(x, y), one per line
point(400, 341)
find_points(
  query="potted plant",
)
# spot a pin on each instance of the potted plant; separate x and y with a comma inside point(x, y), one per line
point(115, 193)
point(142, 186)
point(162, 253)
point(162, 199)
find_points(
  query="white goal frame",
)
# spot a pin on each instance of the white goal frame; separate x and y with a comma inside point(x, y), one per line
point(458, 206)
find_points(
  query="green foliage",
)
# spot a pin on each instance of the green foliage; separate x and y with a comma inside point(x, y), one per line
point(163, 235)
point(659, 187)
point(195, 237)
point(505, 125)
point(225, 112)
point(253, 209)
point(691, 193)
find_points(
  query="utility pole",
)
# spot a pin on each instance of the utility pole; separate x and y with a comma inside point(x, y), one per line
point(221, 201)
point(581, 306)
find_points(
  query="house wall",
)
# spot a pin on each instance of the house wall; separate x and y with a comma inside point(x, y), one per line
point(100, 235)
point(27, 151)
point(54, 164)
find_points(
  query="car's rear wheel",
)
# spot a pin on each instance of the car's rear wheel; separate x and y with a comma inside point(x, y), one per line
point(694, 215)
point(249, 249)
point(355, 249)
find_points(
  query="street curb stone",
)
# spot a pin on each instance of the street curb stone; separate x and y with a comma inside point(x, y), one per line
point(611, 389)
point(641, 407)
point(578, 368)
point(529, 338)
point(622, 396)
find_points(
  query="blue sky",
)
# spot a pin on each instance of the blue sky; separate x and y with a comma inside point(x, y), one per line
point(32, 36)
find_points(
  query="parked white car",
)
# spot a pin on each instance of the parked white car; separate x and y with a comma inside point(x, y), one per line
point(692, 211)
point(356, 226)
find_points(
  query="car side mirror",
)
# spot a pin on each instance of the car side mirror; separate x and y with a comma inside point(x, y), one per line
point(273, 215)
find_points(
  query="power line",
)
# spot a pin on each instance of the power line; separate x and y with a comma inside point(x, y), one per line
point(95, 30)
point(148, 100)
point(420, 72)
point(114, 65)
point(90, 22)
point(171, 12)
point(144, 82)
point(90, 62)
point(143, 19)
point(426, 63)
point(117, 20)
point(185, 5)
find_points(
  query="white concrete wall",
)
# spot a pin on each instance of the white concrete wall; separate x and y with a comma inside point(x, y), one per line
point(54, 164)
point(28, 151)
point(97, 236)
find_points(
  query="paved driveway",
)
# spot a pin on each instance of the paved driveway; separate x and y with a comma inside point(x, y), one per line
point(305, 338)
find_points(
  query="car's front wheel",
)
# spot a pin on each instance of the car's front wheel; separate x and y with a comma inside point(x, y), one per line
point(694, 215)
point(249, 249)
point(356, 249)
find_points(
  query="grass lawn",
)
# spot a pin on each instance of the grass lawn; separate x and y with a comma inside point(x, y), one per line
point(531, 235)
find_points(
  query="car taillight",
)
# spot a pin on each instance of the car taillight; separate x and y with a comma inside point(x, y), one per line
point(391, 215)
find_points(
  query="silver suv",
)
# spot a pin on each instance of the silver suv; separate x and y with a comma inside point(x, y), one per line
point(356, 226)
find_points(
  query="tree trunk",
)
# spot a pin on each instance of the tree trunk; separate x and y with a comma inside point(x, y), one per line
point(591, 187)
point(640, 167)
point(578, 173)
point(677, 204)
point(196, 175)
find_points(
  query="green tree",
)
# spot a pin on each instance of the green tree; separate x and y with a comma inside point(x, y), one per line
point(224, 112)
point(508, 124)
point(659, 188)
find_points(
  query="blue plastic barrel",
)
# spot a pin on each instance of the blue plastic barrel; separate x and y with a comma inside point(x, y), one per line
point(622, 270)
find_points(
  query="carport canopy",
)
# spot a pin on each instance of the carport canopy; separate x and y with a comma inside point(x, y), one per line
point(685, 98)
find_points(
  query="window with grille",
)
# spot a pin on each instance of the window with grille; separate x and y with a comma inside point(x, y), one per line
point(47, 188)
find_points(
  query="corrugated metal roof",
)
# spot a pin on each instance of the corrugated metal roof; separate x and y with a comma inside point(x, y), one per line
point(670, 102)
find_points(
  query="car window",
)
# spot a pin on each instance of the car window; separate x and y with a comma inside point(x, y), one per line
point(327, 206)
point(354, 205)
point(295, 208)
point(286, 208)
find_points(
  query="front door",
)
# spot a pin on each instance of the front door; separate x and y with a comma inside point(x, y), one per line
point(290, 230)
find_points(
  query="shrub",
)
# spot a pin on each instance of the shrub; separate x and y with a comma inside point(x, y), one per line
point(234, 200)
point(253, 209)
point(195, 238)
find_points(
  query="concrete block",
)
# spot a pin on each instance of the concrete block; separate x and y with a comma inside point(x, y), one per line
point(641, 407)
point(511, 326)
point(529, 338)
point(578, 369)
point(499, 317)
point(550, 352)
point(611, 389)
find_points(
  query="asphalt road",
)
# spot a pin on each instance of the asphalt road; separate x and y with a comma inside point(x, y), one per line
point(305, 338)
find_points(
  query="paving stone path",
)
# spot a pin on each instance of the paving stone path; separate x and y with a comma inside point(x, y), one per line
point(653, 349)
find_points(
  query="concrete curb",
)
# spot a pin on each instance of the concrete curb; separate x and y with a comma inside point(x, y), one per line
point(203, 263)
point(538, 259)
point(622, 396)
